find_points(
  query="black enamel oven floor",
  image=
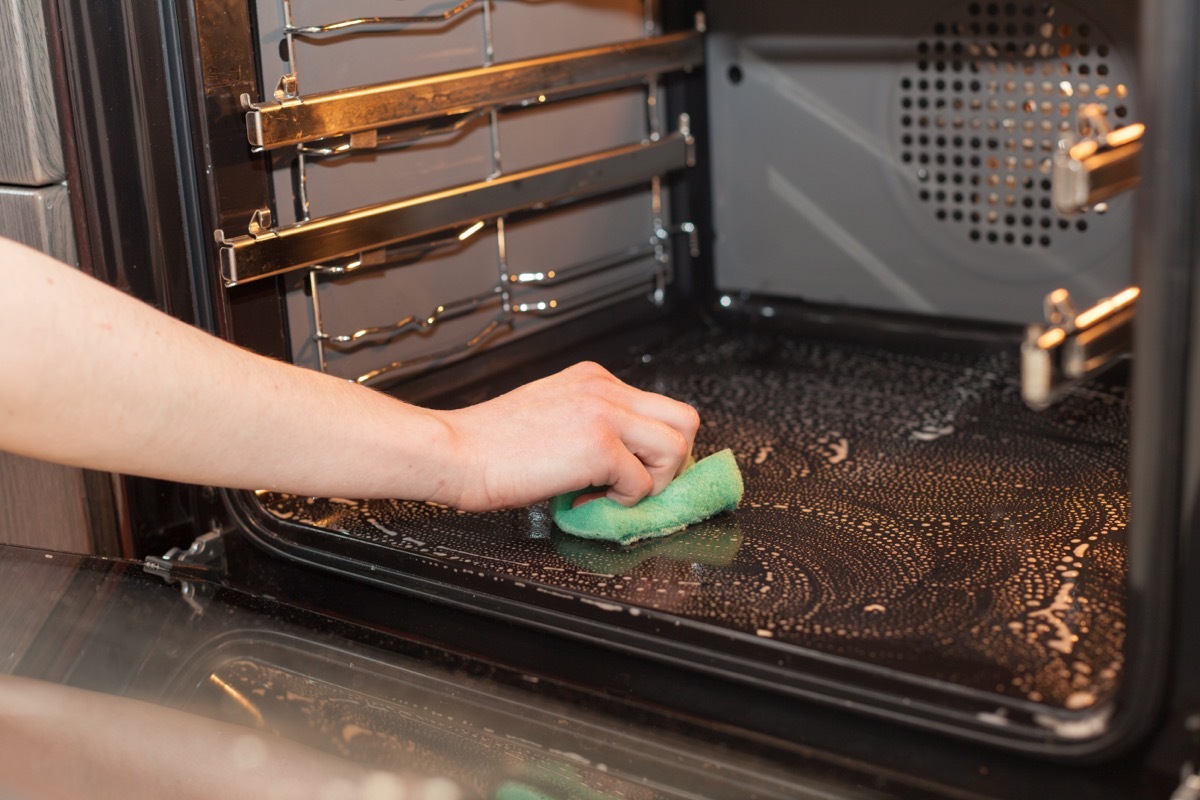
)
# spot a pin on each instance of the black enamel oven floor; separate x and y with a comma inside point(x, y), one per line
point(902, 509)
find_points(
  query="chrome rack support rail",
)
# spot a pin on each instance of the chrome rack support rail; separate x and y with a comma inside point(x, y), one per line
point(502, 323)
point(583, 269)
point(1074, 346)
point(292, 120)
point(455, 309)
point(1102, 164)
point(263, 252)
point(549, 308)
point(378, 22)
point(382, 334)
point(504, 320)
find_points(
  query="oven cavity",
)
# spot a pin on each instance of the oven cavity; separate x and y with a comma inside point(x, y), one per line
point(913, 540)
point(946, 532)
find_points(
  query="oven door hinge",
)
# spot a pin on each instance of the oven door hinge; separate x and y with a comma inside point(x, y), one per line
point(204, 559)
point(1074, 346)
point(195, 569)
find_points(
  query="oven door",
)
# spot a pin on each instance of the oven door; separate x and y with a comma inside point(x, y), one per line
point(271, 691)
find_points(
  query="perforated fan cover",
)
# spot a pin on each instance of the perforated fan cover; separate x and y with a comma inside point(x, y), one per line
point(994, 88)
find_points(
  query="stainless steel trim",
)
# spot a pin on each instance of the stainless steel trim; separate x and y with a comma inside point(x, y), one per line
point(280, 250)
point(290, 121)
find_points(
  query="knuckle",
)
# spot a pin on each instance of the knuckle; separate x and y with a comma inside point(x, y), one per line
point(589, 369)
point(635, 486)
point(679, 445)
point(691, 421)
point(594, 378)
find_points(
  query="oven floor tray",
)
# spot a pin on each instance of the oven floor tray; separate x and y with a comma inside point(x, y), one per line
point(904, 512)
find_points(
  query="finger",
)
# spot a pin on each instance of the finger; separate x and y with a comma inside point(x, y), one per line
point(587, 497)
point(629, 481)
point(680, 416)
point(662, 450)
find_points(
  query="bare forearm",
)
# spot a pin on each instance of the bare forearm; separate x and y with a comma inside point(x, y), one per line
point(97, 379)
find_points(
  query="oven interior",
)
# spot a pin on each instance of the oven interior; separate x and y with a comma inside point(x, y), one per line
point(821, 225)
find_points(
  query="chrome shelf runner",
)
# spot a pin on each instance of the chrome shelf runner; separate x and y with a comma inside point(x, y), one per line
point(294, 120)
point(273, 251)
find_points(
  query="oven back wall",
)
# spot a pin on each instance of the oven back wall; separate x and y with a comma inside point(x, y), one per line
point(901, 154)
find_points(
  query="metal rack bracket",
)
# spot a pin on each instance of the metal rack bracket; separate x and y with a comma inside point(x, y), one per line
point(280, 250)
point(1073, 347)
point(290, 121)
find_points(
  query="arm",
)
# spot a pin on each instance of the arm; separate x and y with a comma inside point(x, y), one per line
point(96, 379)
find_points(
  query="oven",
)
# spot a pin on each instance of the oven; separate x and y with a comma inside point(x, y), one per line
point(893, 253)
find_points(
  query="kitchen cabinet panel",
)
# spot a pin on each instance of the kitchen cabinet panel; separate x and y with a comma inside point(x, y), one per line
point(30, 144)
point(40, 218)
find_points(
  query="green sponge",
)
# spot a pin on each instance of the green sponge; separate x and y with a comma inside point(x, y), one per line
point(708, 487)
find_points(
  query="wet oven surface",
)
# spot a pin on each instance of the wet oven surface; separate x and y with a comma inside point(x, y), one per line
point(903, 509)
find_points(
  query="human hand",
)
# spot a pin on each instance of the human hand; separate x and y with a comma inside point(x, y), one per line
point(580, 427)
